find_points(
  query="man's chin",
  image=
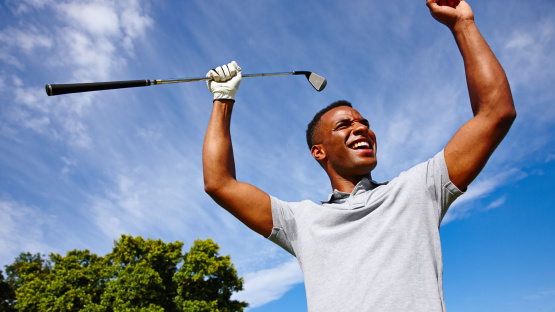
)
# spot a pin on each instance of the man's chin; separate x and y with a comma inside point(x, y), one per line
point(364, 169)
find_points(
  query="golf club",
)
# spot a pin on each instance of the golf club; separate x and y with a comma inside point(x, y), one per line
point(317, 81)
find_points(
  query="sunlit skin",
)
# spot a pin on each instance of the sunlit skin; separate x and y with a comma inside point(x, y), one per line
point(336, 135)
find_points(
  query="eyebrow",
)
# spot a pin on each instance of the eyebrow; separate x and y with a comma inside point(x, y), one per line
point(363, 120)
point(343, 120)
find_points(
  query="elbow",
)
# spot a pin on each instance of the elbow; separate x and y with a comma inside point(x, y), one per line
point(211, 188)
point(506, 117)
point(215, 187)
point(512, 115)
point(509, 114)
point(216, 181)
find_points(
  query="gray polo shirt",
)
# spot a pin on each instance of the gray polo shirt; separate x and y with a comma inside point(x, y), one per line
point(376, 249)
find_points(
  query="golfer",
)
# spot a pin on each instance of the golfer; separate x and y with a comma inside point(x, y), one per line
point(370, 246)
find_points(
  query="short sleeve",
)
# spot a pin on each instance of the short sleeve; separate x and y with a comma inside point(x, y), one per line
point(439, 184)
point(285, 230)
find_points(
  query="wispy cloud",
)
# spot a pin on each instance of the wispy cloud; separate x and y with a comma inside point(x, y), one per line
point(25, 40)
point(84, 42)
point(21, 229)
point(541, 295)
point(481, 188)
point(497, 203)
point(268, 285)
point(526, 54)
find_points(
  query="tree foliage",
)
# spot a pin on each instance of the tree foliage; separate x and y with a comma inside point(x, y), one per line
point(138, 275)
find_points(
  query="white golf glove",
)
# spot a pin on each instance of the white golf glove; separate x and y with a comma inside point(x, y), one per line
point(225, 81)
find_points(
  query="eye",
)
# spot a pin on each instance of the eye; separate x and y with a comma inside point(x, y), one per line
point(342, 125)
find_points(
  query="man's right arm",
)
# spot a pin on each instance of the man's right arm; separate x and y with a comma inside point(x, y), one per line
point(246, 202)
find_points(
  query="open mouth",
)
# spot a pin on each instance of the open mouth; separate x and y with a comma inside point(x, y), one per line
point(361, 145)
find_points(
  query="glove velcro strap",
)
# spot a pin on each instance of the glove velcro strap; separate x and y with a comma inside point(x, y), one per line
point(232, 100)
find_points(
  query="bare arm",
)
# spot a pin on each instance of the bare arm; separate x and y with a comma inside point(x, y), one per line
point(491, 100)
point(247, 203)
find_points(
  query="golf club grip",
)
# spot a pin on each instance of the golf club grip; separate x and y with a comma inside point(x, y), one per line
point(55, 89)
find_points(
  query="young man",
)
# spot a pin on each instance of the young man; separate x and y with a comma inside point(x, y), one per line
point(371, 246)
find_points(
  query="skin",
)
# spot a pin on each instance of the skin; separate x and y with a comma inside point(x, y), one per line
point(337, 131)
point(246, 202)
point(465, 154)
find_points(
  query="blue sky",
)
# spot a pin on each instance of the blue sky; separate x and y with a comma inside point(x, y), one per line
point(78, 170)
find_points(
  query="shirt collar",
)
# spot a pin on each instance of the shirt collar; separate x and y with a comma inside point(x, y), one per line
point(364, 185)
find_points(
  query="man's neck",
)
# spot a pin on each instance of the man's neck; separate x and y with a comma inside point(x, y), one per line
point(347, 184)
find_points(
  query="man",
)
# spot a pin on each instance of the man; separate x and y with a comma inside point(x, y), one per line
point(371, 246)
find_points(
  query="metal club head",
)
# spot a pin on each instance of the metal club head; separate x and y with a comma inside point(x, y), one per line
point(317, 81)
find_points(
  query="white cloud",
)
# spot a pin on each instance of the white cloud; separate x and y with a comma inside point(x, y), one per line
point(133, 20)
point(497, 203)
point(152, 198)
point(21, 229)
point(86, 41)
point(271, 284)
point(97, 18)
point(8, 58)
point(527, 58)
point(93, 58)
point(462, 207)
point(27, 39)
point(107, 218)
point(22, 6)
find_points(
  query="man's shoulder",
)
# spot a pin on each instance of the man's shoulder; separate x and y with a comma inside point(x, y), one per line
point(292, 204)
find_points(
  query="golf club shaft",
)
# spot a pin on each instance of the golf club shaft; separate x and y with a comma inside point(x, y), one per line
point(56, 89)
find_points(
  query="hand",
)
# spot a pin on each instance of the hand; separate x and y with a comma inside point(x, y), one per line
point(450, 12)
point(225, 81)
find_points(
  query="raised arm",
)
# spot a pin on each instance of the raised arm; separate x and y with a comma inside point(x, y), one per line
point(247, 203)
point(468, 151)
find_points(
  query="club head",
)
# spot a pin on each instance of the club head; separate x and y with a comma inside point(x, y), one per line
point(317, 81)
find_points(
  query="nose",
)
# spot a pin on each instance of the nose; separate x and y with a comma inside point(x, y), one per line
point(360, 128)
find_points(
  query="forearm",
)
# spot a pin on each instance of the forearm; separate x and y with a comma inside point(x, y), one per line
point(217, 155)
point(488, 87)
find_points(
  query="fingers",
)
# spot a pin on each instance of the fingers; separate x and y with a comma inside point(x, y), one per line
point(450, 3)
point(234, 64)
point(224, 72)
point(225, 81)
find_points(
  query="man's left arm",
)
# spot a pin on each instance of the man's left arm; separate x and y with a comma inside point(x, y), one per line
point(468, 151)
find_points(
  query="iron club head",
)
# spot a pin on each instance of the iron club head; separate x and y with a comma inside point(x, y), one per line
point(317, 81)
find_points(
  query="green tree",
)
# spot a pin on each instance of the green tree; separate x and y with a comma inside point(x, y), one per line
point(27, 269)
point(138, 275)
point(7, 295)
point(70, 283)
point(207, 280)
point(142, 272)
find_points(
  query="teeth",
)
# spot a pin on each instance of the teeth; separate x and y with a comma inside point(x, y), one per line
point(361, 144)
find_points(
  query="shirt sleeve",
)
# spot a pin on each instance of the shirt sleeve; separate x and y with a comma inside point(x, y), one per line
point(284, 231)
point(439, 184)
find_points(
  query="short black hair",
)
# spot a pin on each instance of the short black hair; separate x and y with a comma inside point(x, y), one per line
point(311, 129)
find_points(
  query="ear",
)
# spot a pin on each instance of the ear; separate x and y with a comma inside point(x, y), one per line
point(318, 152)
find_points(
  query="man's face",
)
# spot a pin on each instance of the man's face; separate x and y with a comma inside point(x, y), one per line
point(347, 143)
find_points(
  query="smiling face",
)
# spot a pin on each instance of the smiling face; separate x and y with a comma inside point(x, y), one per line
point(344, 144)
